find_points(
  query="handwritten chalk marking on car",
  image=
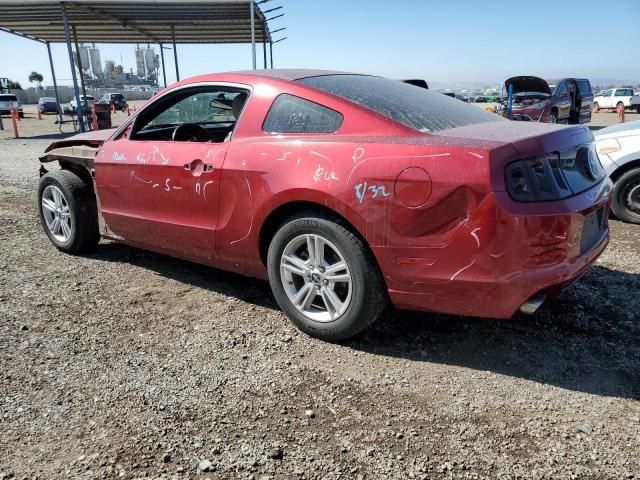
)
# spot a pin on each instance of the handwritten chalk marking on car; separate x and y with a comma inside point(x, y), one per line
point(133, 175)
point(284, 156)
point(321, 172)
point(141, 158)
point(461, 270)
point(477, 155)
point(204, 189)
point(357, 154)
point(475, 235)
point(197, 188)
point(167, 187)
point(156, 152)
point(118, 157)
point(251, 224)
point(361, 191)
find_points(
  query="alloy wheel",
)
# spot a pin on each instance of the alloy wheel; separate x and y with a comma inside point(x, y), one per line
point(56, 213)
point(316, 277)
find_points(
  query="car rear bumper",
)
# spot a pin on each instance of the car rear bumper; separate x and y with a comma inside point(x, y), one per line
point(505, 255)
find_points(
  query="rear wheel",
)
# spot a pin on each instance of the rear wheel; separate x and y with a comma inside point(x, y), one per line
point(596, 107)
point(553, 117)
point(324, 278)
point(68, 212)
point(626, 197)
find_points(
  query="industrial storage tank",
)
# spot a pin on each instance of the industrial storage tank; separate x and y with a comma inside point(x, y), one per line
point(150, 59)
point(84, 58)
point(96, 63)
point(140, 63)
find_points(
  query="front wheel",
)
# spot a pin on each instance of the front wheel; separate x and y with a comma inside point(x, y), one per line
point(552, 118)
point(626, 197)
point(596, 107)
point(324, 278)
point(68, 212)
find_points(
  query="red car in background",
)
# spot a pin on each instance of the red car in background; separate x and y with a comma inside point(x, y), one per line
point(343, 191)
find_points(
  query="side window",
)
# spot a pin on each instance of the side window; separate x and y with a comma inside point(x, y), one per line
point(562, 89)
point(204, 114)
point(584, 86)
point(607, 93)
point(291, 114)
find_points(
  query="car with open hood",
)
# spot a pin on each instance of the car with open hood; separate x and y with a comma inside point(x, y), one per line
point(344, 191)
point(533, 100)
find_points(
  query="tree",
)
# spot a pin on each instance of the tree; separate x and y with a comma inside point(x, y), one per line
point(11, 85)
point(36, 77)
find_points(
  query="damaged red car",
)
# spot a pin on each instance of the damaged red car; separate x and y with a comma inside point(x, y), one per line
point(344, 191)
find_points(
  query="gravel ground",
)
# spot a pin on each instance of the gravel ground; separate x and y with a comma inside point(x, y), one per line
point(129, 364)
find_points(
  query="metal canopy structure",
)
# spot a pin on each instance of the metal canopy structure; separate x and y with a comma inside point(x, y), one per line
point(139, 21)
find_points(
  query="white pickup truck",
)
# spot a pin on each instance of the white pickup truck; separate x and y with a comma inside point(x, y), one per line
point(614, 97)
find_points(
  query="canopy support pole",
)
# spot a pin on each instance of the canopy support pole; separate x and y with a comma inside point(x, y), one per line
point(175, 52)
point(264, 48)
point(76, 91)
point(55, 83)
point(164, 72)
point(271, 53)
point(85, 105)
point(253, 33)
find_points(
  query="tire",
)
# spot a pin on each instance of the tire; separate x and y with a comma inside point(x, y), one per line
point(596, 107)
point(77, 231)
point(626, 197)
point(553, 117)
point(618, 105)
point(360, 301)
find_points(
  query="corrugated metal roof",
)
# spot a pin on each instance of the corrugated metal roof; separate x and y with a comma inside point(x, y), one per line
point(136, 21)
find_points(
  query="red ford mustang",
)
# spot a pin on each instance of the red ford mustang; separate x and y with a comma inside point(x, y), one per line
point(343, 190)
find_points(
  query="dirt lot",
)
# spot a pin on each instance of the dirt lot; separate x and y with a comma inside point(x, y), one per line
point(130, 364)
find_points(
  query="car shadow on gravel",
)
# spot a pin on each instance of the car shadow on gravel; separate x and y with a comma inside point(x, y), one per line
point(587, 339)
point(250, 290)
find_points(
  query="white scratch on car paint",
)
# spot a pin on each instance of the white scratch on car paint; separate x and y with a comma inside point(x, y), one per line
point(284, 156)
point(204, 189)
point(477, 155)
point(251, 224)
point(461, 270)
point(475, 235)
point(156, 152)
point(133, 175)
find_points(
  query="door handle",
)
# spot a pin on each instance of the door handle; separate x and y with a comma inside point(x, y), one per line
point(197, 166)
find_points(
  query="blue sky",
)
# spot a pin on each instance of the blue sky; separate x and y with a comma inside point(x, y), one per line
point(440, 41)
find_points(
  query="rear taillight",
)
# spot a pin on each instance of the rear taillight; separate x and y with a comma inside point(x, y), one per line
point(553, 176)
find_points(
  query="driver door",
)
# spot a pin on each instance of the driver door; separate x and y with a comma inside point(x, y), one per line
point(159, 182)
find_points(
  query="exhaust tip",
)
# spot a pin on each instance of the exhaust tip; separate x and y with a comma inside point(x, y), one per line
point(532, 305)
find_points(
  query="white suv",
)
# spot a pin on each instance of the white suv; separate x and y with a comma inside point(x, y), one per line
point(91, 100)
point(9, 102)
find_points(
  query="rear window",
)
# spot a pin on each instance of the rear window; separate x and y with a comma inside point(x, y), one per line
point(291, 114)
point(417, 108)
point(584, 86)
point(8, 98)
